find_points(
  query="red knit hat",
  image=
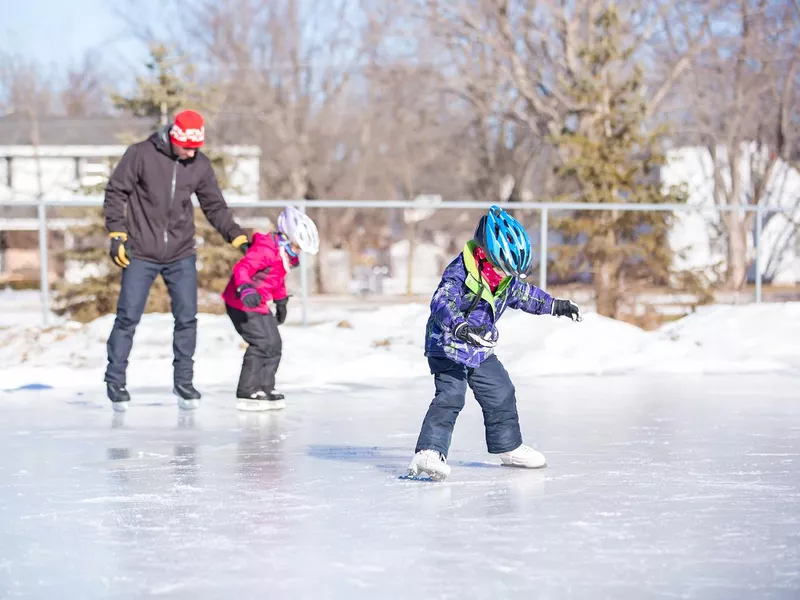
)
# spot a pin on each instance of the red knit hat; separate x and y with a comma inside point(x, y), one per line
point(188, 130)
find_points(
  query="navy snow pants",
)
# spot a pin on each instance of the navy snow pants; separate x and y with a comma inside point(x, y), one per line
point(181, 279)
point(263, 354)
point(494, 392)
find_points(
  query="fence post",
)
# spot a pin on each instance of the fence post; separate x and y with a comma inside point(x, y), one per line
point(543, 250)
point(757, 244)
point(304, 279)
point(44, 283)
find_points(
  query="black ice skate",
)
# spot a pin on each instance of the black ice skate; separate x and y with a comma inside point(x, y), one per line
point(119, 396)
point(188, 397)
point(260, 401)
point(275, 400)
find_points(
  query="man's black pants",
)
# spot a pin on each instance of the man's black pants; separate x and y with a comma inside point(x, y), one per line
point(137, 279)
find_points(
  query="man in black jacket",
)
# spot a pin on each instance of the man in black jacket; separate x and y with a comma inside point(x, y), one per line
point(149, 217)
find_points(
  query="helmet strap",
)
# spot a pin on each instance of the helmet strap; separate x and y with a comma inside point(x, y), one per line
point(286, 244)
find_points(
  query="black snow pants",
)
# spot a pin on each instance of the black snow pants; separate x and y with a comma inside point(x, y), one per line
point(494, 392)
point(181, 279)
point(263, 354)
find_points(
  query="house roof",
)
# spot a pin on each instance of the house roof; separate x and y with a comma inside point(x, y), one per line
point(112, 130)
point(16, 130)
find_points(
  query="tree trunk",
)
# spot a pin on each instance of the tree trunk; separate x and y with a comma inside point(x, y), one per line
point(321, 222)
point(412, 242)
point(605, 289)
point(606, 273)
point(737, 253)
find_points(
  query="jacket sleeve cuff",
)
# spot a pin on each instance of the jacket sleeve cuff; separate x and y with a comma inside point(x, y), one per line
point(456, 321)
point(239, 240)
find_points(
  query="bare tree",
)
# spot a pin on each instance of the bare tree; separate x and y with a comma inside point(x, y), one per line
point(532, 50)
point(528, 68)
point(84, 90)
point(742, 104)
point(25, 86)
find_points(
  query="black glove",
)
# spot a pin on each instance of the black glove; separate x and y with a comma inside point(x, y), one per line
point(249, 295)
point(280, 310)
point(566, 308)
point(245, 247)
point(475, 336)
point(120, 251)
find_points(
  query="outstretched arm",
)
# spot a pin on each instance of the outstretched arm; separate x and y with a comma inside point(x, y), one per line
point(528, 297)
point(217, 211)
point(531, 299)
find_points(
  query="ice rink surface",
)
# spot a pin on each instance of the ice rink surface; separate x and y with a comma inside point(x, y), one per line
point(656, 487)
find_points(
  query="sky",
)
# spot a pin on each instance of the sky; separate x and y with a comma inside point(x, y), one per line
point(59, 32)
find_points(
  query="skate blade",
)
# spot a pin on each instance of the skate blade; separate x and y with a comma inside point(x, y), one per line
point(188, 404)
point(119, 407)
point(522, 466)
point(423, 476)
point(259, 405)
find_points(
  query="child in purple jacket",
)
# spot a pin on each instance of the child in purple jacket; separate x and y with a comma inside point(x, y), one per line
point(475, 290)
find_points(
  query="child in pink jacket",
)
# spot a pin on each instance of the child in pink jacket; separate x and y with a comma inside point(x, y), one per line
point(258, 278)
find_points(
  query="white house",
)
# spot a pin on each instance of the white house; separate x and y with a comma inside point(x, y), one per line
point(73, 155)
point(697, 234)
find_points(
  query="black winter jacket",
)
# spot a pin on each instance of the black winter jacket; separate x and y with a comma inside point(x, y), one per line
point(149, 198)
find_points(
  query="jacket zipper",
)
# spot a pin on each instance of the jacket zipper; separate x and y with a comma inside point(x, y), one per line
point(171, 200)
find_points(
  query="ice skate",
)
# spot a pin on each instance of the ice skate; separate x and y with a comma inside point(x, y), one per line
point(119, 396)
point(188, 397)
point(252, 402)
point(431, 463)
point(260, 401)
point(275, 401)
point(523, 456)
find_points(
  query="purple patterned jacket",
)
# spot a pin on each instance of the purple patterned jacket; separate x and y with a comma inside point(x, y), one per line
point(463, 294)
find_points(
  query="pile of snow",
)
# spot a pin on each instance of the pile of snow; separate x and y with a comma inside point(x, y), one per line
point(386, 344)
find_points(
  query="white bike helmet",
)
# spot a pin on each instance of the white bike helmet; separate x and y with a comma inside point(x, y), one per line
point(299, 228)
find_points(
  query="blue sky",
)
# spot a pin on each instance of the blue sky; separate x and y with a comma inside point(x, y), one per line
point(61, 31)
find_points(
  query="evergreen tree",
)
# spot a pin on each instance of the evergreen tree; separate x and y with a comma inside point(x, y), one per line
point(609, 157)
point(168, 87)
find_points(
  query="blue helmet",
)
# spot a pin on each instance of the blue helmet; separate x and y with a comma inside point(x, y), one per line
point(505, 241)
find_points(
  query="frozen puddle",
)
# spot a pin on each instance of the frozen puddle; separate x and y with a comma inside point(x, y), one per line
point(669, 487)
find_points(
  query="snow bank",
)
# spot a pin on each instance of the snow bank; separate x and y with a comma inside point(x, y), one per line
point(386, 343)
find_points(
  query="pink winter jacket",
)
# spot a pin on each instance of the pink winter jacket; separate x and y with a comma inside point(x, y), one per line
point(262, 267)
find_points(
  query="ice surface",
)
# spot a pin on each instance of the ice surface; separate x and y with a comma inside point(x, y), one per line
point(659, 487)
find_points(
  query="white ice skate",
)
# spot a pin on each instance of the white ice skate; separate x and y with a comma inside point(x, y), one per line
point(260, 401)
point(523, 456)
point(431, 463)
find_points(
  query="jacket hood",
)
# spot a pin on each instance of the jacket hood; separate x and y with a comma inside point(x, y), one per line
point(160, 139)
